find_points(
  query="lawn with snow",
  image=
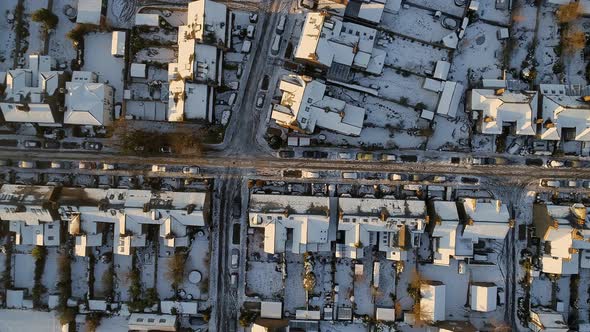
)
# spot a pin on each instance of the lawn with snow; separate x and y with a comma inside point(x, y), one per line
point(414, 56)
point(7, 35)
point(98, 59)
point(23, 268)
point(417, 23)
point(61, 48)
point(449, 134)
point(488, 11)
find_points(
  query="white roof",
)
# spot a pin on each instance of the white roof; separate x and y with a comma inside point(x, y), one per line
point(162, 322)
point(548, 320)
point(89, 11)
point(371, 10)
point(385, 314)
point(564, 111)
point(188, 101)
point(118, 43)
point(273, 310)
point(432, 84)
point(306, 216)
point(307, 314)
point(138, 70)
point(206, 16)
point(451, 40)
point(441, 70)
point(35, 113)
point(490, 219)
point(519, 108)
point(147, 19)
point(88, 104)
point(448, 104)
point(483, 297)
point(304, 105)
point(97, 305)
point(15, 297)
point(432, 302)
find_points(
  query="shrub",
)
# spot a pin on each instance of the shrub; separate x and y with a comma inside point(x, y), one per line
point(93, 321)
point(45, 17)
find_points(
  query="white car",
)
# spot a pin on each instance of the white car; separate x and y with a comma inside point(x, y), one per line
point(549, 183)
point(350, 175)
point(345, 155)
point(158, 168)
point(108, 167)
point(310, 175)
point(190, 170)
point(555, 163)
point(250, 31)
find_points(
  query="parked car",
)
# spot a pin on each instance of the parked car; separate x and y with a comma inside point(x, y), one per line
point(26, 164)
point(51, 145)
point(233, 279)
point(158, 168)
point(345, 155)
point(190, 170)
point(349, 175)
point(389, 157)
point(235, 258)
point(32, 144)
point(250, 31)
point(253, 17)
point(92, 146)
point(554, 163)
point(236, 208)
point(56, 165)
point(54, 133)
point(286, 154)
point(364, 156)
point(315, 154)
point(462, 267)
point(549, 183)
point(165, 149)
point(310, 175)
point(108, 167)
point(397, 177)
point(260, 100)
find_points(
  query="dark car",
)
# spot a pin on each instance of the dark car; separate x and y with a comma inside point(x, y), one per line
point(92, 146)
point(166, 149)
point(236, 208)
point(51, 145)
point(315, 154)
point(286, 154)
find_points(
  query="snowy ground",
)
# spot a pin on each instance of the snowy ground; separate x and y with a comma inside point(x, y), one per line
point(547, 39)
point(35, 40)
point(294, 291)
point(98, 58)
point(61, 48)
point(411, 55)
point(23, 268)
point(417, 23)
point(524, 15)
point(79, 277)
point(7, 37)
point(487, 11)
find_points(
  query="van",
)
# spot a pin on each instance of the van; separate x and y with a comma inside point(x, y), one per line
point(281, 25)
point(232, 99)
point(310, 175)
point(350, 175)
point(276, 45)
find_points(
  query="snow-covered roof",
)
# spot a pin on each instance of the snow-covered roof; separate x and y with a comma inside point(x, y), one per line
point(441, 70)
point(147, 19)
point(385, 314)
point(15, 297)
point(325, 40)
point(545, 319)
point(143, 322)
point(519, 108)
point(118, 43)
point(432, 302)
point(307, 314)
point(138, 70)
point(483, 296)
point(562, 108)
point(273, 310)
point(488, 219)
point(304, 106)
point(189, 101)
point(448, 103)
point(204, 18)
point(306, 216)
point(394, 222)
point(89, 11)
point(370, 11)
point(97, 305)
point(88, 104)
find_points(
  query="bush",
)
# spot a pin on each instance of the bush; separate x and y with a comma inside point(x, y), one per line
point(66, 315)
point(46, 17)
point(93, 321)
point(39, 253)
point(176, 269)
point(557, 68)
point(404, 101)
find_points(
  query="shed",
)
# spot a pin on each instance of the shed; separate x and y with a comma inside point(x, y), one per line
point(441, 70)
point(118, 44)
point(503, 33)
point(432, 304)
point(97, 305)
point(90, 11)
point(307, 314)
point(152, 20)
point(270, 309)
point(138, 70)
point(14, 298)
point(484, 296)
point(385, 314)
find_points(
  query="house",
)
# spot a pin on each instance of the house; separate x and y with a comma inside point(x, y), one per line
point(500, 108)
point(459, 226)
point(304, 106)
point(118, 43)
point(32, 95)
point(329, 43)
point(545, 319)
point(91, 11)
point(394, 226)
point(484, 296)
point(432, 301)
point(366, 11)
point(564, 113)
point(88, 102)
point(151, 322)
point(295, 223)
point(564, 237)
point(198, 69)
